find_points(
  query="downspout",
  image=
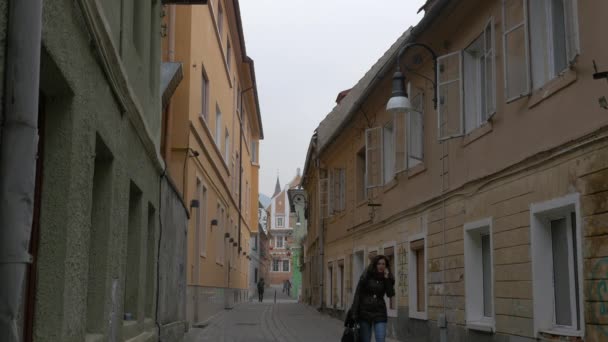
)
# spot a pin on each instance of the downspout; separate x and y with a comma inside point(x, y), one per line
point(241, 163)
point(18, 149)
point(321, 246)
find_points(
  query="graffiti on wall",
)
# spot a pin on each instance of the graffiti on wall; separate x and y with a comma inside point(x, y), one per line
point(402, 270)
point(601, 289)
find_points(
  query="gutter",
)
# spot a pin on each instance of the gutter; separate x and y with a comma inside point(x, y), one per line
point(18, 150)
point(416, 31)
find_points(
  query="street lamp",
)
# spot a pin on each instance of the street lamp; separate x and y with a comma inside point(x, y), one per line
point(399, 102)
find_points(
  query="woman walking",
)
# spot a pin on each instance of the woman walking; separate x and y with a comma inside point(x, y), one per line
point(369, 307)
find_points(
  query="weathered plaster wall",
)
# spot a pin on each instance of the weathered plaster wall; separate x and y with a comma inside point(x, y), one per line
point(81, 115)
point(172, 264)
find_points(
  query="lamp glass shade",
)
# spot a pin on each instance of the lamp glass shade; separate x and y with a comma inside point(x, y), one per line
point(399, 104)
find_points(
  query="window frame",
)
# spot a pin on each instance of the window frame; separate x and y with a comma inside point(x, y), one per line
point(474, 298)
point(218, 126)
point(380, 163)
point(413, 287)
point(282, 225)
point(392, 312)
point(283, 265)
point(204, 96)
point(202, 216)
point(524, 24)
point(330, 269)
point(440, 105)
point(542, 276)
point(273, 263)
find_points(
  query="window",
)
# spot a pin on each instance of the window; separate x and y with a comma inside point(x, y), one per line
point(417, 277)
point(227, 146)
point(285, 265)
point(449, 99)
point(220, 19)
point(415, 128)
point(552, 38)
point(280, 222)
point(340, 284)
point(205, 96)
point(254, 151)
point(218, 125)
point(228, 55)
point(134, 236)
point(545, 46)
point(388, 151)
point(337, 200)
point(373, 157)
point(220, 242)
point(361, 179)
point(479, 87)
point(201, 216)
point(254, 242)
point(557, 266)
point(275, 265)
point(238, 99)
point(279, 241)
point(478, 275)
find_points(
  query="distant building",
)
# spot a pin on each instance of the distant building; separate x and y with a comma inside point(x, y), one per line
point(281, 229)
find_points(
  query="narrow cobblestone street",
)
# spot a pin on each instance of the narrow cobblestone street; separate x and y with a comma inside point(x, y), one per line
point(285, 321)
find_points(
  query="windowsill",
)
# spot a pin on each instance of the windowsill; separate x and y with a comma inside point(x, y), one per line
point(485, 325)
point(477, 133)
point(219, 263)
point(390, 185)
point(361, 203)
point(256, 164)
point(553, 86)
point(416, 170)
point(215, 147)
point(556, 332)
point(204, 255)
point(419, 315)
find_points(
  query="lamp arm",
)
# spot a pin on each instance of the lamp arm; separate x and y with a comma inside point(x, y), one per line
point(433, 54)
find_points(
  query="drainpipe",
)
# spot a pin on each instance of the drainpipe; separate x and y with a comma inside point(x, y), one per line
point(18, 149)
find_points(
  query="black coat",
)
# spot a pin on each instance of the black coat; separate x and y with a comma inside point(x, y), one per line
point(368, 304)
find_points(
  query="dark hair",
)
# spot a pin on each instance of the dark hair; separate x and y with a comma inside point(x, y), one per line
point(371, 269)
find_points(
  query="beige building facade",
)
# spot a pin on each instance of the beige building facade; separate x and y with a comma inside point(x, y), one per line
point(491, 208)
point(212, 130)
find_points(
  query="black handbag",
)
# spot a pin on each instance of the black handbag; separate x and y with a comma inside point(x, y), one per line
point(351, 329)
point(351, 334)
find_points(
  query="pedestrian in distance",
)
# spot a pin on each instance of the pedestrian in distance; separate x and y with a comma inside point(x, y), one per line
point(284, 286)
point(288, 286)
point(369, 308)
point(261, 290)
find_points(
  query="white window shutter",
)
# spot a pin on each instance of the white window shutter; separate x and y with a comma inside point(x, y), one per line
point(516, 49)
point(400, 136)
point(490, 72)
point(450, 108)
point(373, 157)
point(415, 129)
point(572, 39)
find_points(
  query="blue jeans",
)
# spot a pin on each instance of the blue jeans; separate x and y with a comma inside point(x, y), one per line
point(365, 331)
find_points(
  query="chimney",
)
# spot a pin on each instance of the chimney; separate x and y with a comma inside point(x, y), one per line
point(342, 95)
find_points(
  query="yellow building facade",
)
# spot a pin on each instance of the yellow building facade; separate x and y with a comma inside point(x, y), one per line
point(211, 134)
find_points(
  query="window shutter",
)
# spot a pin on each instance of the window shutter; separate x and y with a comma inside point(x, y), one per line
point(373, 157)
point(342, 189)
point(331, 193)
point(490, 71)
point(324, 196)
point(400, 129)
point(515, 49)
point(450, 118)
point(572, 40)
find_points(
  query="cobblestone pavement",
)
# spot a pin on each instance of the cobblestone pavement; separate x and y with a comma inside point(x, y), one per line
point(257, 322)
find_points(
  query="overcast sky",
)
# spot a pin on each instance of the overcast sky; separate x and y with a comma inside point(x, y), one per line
point(305, 53)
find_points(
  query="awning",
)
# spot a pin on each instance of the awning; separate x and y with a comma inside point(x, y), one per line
point(170, 76)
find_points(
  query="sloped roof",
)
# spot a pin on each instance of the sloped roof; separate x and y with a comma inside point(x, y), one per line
point(336, 119)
